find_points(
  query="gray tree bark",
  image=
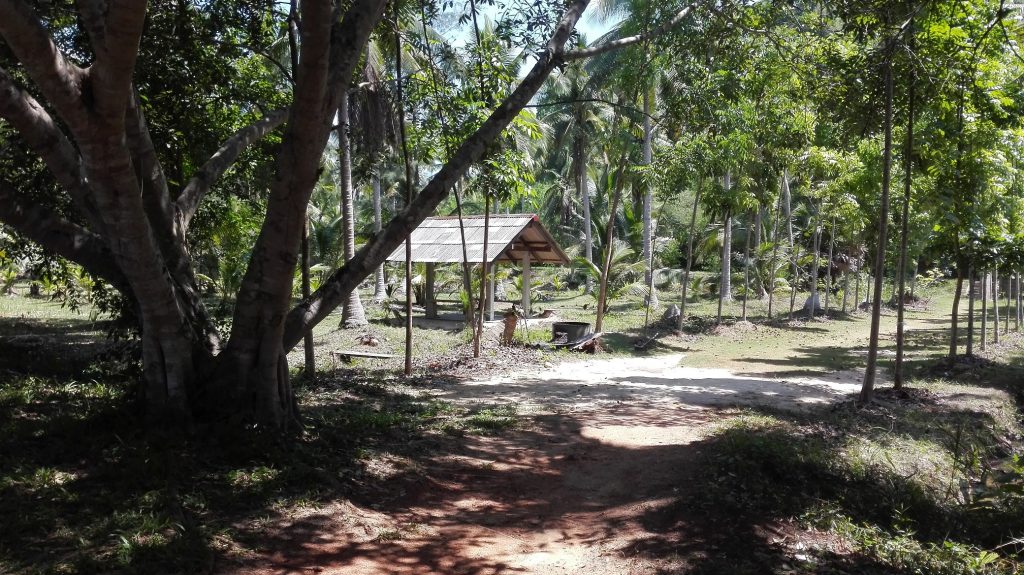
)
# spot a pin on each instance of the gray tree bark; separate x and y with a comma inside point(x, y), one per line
point(995, 304)
point(379, 292)
point(867, 388)
point(584, 194)
point(648, 237)
point(689, 253)
point(984, 309)
point(352, 314)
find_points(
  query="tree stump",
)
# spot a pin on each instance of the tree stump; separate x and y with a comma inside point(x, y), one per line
point(511, 319)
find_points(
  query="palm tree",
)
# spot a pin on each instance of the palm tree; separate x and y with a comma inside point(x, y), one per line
point(352, 314)
point(567, 107)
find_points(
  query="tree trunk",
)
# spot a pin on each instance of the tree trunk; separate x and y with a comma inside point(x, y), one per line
point(867, 389)
point(1006, 310)
point(253, 371)
point(648, 238)
point(1020, 308)
point(309, 365)
point(352, 314)
point(970, 310)
point(584, 194)
point(984, 309)
point(901, 265)
point(379, 289)
point(913, 280)
point(602, 288)
point(815, 269)
point(995, 305)
point(846, 290)
point(484, 265)
point(409, 192)
point(746, 269)
point(756, 243)
point(724, 282)
point(776, 230)
point(792, 242)
point(689, 252)
point(856, 292)
point(828, 266)
point(954, 320)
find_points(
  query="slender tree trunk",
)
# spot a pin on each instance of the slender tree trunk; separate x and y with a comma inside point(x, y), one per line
point(308, 355)
point(846, 290)
point(689, 252)
point(1020, 308)
point(352, 314)
point(954, 320)
point(724, 284)
point(828, 266)
point(379, 291)
point(913, 280)
point(584, 194)
point(901, 265)
point(867, 389)
point(409, 193)
point(755, 249)
point(484, 265)
point(492, 286)
point(995, 305)
point(746, 269)
point(1006, 310)
point(648, 237)
point(815, 269)
point(970, 310)
point(602, 288)
point(467, 279)
point(776, 231)
point(856, 291)
point(984, 309)
point(792, 242)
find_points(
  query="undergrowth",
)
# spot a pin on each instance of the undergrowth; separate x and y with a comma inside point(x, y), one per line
point(930, 485)
point(82, 490)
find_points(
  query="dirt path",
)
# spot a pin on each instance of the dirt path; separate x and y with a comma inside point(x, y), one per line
point(590, 485)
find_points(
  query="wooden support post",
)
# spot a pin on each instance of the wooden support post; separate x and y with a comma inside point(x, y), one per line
point(526, 284)
point(429, 295)
point(492, 274)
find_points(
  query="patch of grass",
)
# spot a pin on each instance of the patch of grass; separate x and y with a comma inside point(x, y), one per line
point(493, 419)
point(82, 490)
point(926, 485)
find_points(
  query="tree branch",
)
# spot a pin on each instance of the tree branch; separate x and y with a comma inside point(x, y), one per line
point(59, 236)
point(346, 47)
point(111, 74)
point(45, 138)
point(343, 281)
point(630, 40)
point(224, 158)
point(58, 79)
point(94, 14)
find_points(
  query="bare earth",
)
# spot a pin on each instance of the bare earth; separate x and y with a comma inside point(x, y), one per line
point(591, 484)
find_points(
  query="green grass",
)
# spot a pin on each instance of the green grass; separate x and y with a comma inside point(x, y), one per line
point(83, 491)
point(930, 485)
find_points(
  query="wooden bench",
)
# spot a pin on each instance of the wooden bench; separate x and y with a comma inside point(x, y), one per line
point(348, 356)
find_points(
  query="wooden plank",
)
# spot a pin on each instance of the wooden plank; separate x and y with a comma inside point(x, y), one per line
point(346, 356)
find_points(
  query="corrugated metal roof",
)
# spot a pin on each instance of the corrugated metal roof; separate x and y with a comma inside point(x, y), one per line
point(509, 239)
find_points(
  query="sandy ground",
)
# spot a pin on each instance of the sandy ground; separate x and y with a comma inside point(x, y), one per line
point(589, 484)
point(658, 381)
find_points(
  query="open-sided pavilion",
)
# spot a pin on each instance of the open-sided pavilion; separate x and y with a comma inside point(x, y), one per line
point(514, 238)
